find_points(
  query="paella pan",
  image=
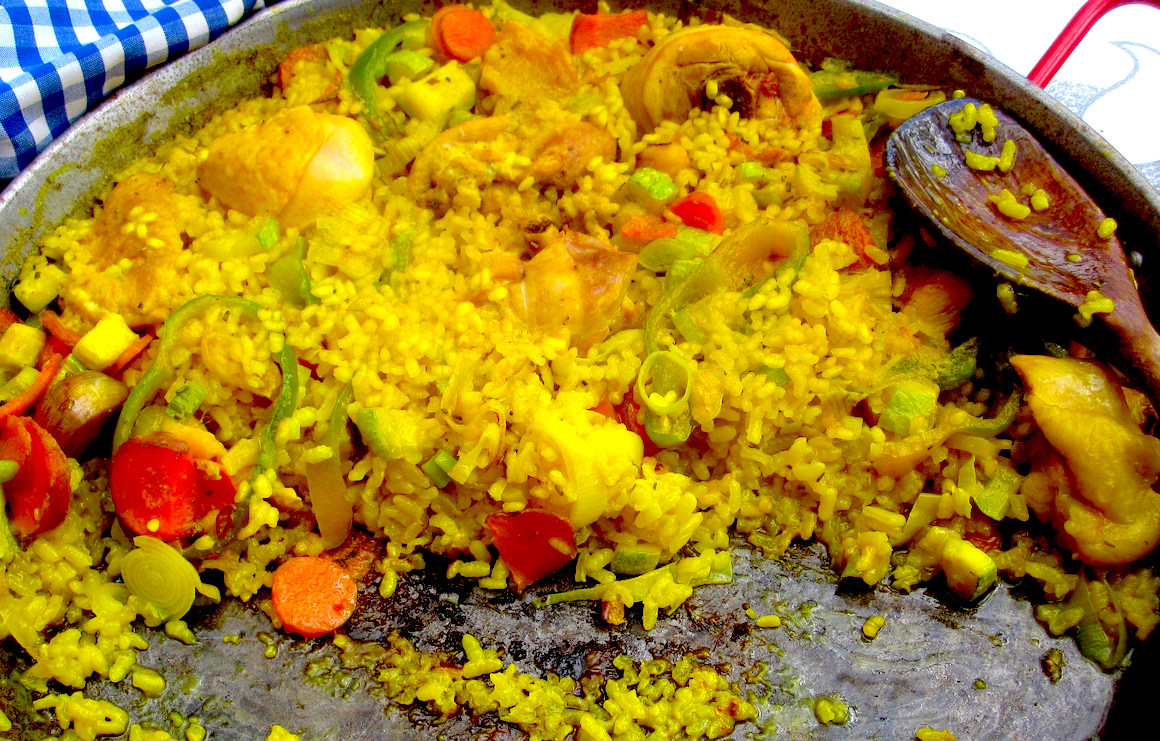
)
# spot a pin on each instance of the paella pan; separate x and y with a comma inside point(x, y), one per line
point(790, 642)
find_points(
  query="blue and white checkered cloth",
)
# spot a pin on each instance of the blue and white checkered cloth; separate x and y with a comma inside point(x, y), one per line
point(58, 58)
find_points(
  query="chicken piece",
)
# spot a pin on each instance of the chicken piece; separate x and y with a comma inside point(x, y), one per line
point(667, 158)
point(561, 156)
point(297, 165)
point(575, 281)
point(755, 70)
point(305, 77)
point(1098, 488)
point(137, 241)
point(463, 152)
point(523, 67)
point(934, 299)
point(221, 356)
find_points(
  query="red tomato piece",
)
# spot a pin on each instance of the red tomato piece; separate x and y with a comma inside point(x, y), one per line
point(700, 211)
point(604, 406)
point(39, 495)
point(628, 414)
point(159, 490)
point(533, 543)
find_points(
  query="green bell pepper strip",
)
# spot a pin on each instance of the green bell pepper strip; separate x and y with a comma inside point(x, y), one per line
point(832, 84)
point(370, 67)
point(161, 371)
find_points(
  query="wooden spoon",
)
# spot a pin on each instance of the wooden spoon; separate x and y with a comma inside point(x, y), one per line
point(1036, 252)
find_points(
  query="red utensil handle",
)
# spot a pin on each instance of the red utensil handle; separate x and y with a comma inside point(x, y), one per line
point(1073, 33)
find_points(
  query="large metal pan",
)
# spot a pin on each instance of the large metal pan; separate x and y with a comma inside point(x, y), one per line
point(928, 668)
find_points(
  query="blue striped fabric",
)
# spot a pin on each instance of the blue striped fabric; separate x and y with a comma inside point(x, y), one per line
point(58, 58)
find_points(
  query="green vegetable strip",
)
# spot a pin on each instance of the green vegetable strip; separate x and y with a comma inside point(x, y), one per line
point(370, 67)
point(834, 84)
point(161, 372)
point(1004, 416)
point(283, 406)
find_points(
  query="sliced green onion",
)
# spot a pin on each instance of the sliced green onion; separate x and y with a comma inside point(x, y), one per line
point(662, 375)
point(438, 468)
point(158, 574)
point(187, 400)
point(268, 235)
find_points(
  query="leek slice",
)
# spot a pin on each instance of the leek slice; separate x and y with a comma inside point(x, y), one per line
point(158, 574)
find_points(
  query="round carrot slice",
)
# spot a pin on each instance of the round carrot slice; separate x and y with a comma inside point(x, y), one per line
point(313, 596)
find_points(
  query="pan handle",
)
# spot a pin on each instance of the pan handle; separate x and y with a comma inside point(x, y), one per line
point(1072, 34)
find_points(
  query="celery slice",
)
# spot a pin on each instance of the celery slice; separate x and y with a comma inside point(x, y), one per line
point(269, 234)
point(438, 467)
point(187, 400)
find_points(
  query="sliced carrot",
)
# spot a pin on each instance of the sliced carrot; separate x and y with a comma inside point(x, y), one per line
point(461, 33)
point(644, 228)
point(56, 327)
point(131, 352)
point(313, 596)
point(21, 403)
point(592, 31)
point(7, 319)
